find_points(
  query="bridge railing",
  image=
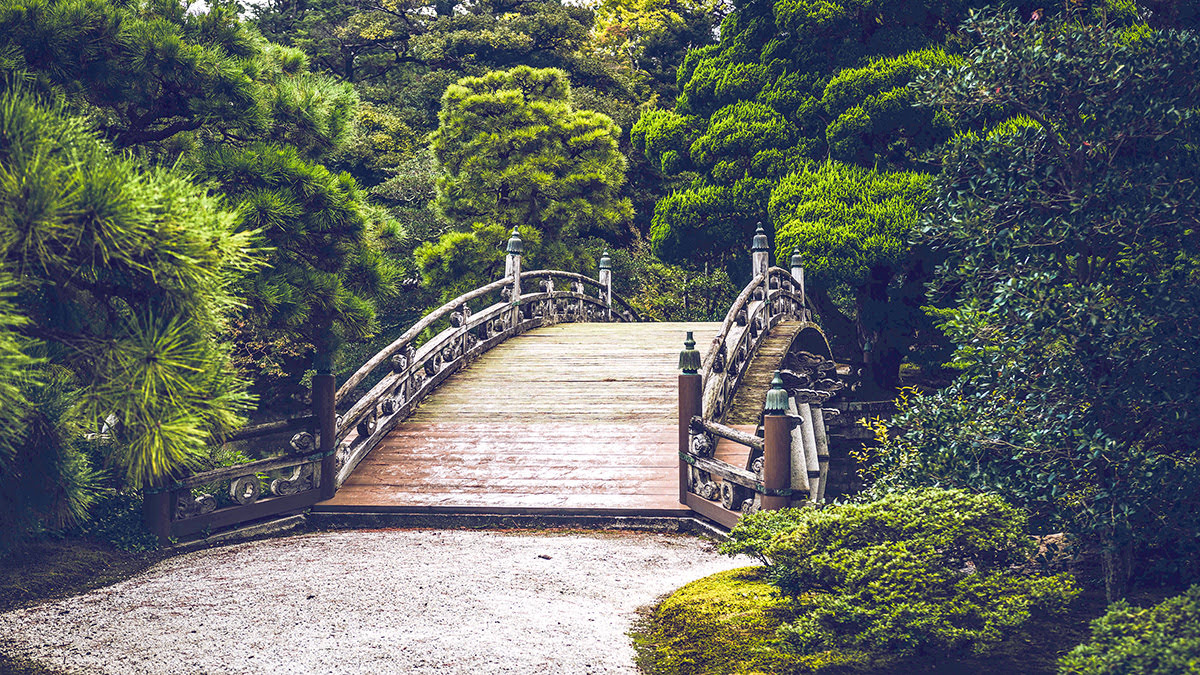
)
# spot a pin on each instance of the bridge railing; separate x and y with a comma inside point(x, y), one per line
point(789, 461)
point(408, 370)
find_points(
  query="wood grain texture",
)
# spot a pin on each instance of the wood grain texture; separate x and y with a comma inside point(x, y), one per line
point(751, 395)
point(572, 418)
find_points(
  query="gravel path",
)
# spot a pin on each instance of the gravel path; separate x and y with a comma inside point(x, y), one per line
point(391, 601)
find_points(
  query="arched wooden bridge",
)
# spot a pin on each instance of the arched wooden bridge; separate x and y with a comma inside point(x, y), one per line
point(542, 393)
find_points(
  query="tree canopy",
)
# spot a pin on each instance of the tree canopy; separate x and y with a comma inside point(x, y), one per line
point(513, 152)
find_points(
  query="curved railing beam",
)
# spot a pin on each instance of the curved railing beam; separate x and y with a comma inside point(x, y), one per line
point(585, 279)
point(767, 299)
point(410, 334)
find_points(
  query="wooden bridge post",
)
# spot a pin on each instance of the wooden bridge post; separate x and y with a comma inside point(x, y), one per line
point(156, 511)
point(760, 257)
point(798, 276)
point(324, 394)
point(606, 280)
point(512, 268)
point(691, 404)
point(777, 442)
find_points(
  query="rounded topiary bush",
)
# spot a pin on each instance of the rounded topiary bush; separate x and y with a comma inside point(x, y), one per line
point(1161, 640)
point(928, 575)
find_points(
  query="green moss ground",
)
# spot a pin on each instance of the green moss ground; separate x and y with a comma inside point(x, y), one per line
point(46, 570)
point(725, 625)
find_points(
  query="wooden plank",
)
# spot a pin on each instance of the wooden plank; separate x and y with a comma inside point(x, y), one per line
point(747, 405)
point(577, 417)
point(713, 511)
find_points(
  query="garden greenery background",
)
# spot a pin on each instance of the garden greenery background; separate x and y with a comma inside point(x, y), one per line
point(197, 202)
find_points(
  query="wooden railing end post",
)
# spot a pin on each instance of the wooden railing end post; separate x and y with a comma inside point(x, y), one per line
point(512, 269)
point(777, 444)
point(760, 251)
point(324, 392)
point(605, 278)
point(156, 511)
point(691, 393)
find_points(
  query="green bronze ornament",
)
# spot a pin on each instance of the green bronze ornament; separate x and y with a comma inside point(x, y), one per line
point(689, 358)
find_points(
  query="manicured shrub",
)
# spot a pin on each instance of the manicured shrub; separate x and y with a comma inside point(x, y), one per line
point(1161, 640)
point(927, 574)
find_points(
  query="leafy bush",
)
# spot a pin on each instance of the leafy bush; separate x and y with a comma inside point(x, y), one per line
point(1069, 284)
point(116, 519)
point(1162, 640)
point(921, 573)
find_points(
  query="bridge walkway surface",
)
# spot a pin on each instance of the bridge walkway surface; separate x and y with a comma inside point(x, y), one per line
point(570, 419)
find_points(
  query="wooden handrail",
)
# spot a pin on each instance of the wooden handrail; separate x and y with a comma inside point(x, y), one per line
point(410, 334)
point(268, 428)
point(585, 279)
point(738, 305)
point(247, 469)
point(729, 433)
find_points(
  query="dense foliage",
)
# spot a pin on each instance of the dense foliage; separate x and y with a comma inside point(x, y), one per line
point(791, 83)
point(324, 264)
point(926, 573)
point(154, 73)
point(514, 153)
point(1160, 640)
point(1070, 281)
point(850, 226)
point(117, 280)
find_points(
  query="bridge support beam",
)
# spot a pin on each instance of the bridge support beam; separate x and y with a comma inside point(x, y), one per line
point(777, 446)
point(691, 404)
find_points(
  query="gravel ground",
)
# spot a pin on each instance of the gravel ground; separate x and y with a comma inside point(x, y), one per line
point(390, 601)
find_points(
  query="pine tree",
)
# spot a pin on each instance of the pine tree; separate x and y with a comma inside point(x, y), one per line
point(119, 280)
point(514, 152)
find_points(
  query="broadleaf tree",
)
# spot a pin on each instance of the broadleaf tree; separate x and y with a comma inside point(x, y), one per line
point(1070, 287)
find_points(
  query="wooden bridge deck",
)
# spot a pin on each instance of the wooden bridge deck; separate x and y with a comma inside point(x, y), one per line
point(570, 419)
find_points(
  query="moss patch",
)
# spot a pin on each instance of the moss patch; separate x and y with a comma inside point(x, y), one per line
point(721, 624)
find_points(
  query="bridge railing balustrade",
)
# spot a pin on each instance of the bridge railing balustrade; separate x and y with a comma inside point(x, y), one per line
point(778, 470)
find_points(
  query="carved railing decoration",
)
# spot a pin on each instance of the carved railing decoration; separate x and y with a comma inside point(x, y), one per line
point(215, 499)
point(772, 296)
point(407, 370)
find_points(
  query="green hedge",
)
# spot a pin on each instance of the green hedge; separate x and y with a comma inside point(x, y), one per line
point(1161, 640)
point(930, 575)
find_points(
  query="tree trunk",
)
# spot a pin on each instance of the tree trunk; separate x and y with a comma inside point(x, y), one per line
point(877, 337)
